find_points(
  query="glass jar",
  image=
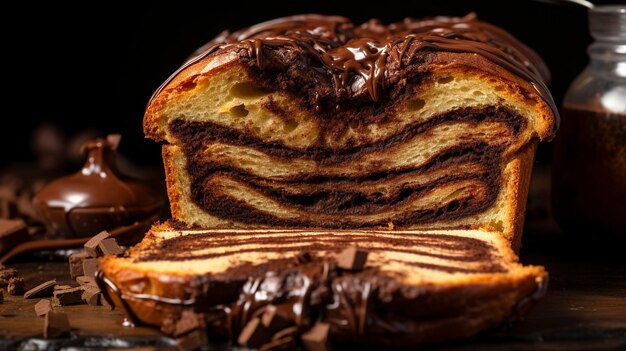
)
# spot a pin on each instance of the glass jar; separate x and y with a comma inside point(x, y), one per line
point(589, 168)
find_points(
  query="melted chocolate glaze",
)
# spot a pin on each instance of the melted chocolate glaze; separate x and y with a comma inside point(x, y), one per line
point(353, 201)
point(330, 60)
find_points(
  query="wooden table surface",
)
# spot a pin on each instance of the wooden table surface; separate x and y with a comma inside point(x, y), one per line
point(585, 308)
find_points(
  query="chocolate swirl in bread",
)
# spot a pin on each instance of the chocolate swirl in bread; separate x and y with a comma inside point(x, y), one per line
point(416, 287)
point(310, 121)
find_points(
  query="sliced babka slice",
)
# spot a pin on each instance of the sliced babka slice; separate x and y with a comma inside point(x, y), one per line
point(416, 286)
point(310, 121)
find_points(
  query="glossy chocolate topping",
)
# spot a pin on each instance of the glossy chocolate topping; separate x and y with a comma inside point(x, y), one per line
point(365, 59)
point(97, 197)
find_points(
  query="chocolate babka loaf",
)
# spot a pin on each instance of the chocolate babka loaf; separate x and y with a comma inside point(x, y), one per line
point(311, 121)
point(400, 288)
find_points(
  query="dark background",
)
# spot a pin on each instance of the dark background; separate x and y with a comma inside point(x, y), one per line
point(98, 69)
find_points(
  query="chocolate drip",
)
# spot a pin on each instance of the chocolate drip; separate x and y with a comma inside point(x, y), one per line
point(368, 58)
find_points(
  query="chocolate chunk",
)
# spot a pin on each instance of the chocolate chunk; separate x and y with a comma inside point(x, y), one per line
point(254, 334)
point(188, 322)
point(76, 264)
point(56, 325)
point(109, 246)
point(192, 341)
point(274, 320)
point(16, 286)
point(41, 290)
point(90, 267)
point(86, 281)
point(42, 307)
point(352, 259)
point(12, 233)
point(316, 339)
point(91, 246)
point(71, 296)
point(286, 343)
point(91, 296)
point(1, 296)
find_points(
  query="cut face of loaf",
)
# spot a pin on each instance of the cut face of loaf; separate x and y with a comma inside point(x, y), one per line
point(444, 138)
point(417, 286)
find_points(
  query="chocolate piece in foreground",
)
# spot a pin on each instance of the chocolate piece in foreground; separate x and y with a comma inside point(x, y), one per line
point(108, 199)
point(42, 307)
point(41, 290)
point(90, 267)
point(316, 339)
point(56, 325)
point(352, 259)
point(76, 263)
point(91, 296)
point(92, 246)
point(438, 285)
point(66, 297)
point(109, 246)
point(12, 233)
point(425, 124)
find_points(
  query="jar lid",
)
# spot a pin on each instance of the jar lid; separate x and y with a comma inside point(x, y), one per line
point(608, 23)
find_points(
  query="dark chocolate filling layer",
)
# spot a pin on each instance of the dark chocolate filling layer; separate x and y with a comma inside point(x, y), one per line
point(350, 198)
point(184, 247)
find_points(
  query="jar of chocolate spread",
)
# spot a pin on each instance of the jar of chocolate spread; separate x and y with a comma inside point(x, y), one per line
point(589, 169)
